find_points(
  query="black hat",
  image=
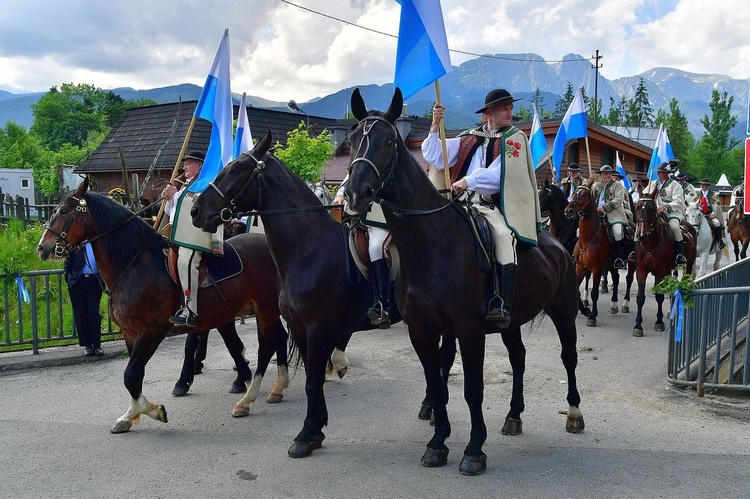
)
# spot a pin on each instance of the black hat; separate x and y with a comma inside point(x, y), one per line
point(195, 155)
point(617, 172)
point(606, 169)
point(665, 167)
point(574, 167)
point(495, 98)
point(680, 175)
point(638, 178)
point(705, 181)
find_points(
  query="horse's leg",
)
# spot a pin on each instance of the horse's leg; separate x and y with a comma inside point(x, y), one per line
point(200, 352)
point(517, 357)
point(628, 287)
point(743, 253)
point(318, 351)
point(659, 325)
point(640, 300)
point(597, 275)
point(615, 283)
point(603, 289)
point(140, 353)
point(447, 358)
point(474, 461)
point(338, 363)
point(236, 348)
point(282, 365)
point(583, 305)
point(187, 374)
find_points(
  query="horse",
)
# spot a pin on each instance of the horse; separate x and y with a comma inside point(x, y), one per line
point(322, 295)
point(142, 295)
point(654, 254)
point(593, 251)
point(738, 226)
point(321, 191)
point(440, 286)
point(705, 243)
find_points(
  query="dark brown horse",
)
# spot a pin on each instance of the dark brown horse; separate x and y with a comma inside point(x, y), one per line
point(322, 295)
point(738, 225)
point(130, 257)
point(440, 285)
point(593, 252)
point(654, 254)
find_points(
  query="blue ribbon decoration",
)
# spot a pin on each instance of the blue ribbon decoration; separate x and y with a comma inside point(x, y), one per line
point(23, 293)
point(678, 308)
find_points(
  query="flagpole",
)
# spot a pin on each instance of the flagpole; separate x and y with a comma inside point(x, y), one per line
point(441, 124)
point(176, 168)
point(588, 155)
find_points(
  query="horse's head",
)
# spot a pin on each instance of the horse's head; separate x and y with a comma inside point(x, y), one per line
point(582, 202)
point(235, 189)
point(693, 215)
point(374, 146)
point(646, 217)
point(321, 191)
point(545, 196)
point(70, 224)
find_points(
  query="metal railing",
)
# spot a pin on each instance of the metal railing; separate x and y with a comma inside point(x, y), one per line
point(711, 352)
point(42, 320)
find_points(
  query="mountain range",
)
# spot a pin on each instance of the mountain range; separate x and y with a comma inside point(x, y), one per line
point(464, 88)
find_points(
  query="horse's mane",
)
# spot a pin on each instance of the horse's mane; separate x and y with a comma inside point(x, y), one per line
point(124, 238)
point(558, 196)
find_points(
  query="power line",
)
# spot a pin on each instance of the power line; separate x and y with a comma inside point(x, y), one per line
point(488, 56)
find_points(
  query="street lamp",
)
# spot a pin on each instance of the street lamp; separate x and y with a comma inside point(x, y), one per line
point(292, 105)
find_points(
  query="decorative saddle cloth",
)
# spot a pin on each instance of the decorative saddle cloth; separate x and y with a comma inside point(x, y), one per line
point(212, 269)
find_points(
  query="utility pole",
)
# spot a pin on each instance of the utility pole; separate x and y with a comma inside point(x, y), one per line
point(596, 66)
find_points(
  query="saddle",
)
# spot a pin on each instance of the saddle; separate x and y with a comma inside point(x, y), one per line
point(211, 270)
point(359, 244)
point(483, 237)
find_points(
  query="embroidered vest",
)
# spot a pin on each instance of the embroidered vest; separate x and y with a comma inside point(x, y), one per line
point(469, 145)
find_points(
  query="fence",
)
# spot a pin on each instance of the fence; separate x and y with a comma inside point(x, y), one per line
point(711, 352)
point(46, 318)
point(21, 208)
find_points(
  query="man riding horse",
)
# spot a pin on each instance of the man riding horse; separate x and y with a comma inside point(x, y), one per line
point(610, 197)
point(493, 163)
point(711, 209)
point(573, 181)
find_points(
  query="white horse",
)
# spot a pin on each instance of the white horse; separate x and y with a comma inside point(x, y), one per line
point(704, 239)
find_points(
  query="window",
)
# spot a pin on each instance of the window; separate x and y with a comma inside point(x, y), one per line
point(25, 183)
point(608, 157)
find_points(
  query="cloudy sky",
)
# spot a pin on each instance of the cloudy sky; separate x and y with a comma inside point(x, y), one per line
point(280, 51)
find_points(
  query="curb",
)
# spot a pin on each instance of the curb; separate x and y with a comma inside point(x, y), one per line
point(62, 356)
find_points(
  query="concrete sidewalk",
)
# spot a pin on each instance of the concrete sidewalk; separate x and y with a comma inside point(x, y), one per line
point(57, 356)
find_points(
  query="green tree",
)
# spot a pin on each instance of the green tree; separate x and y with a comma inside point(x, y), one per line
point(563, 103)
point(711, 154)
point(305, 155)
point(616, 115)
point(639, 111)
point(680, 137)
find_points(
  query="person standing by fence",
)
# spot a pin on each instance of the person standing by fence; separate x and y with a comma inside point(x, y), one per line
point(85, 290)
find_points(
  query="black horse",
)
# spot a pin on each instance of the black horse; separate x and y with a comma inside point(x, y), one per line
point(440, 284)
point(322, 295)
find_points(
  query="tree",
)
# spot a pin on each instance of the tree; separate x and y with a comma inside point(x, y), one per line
point(680, 137)
point(711, 155)
point(616, 116)
point(563, 103)
point(639, 110)
point(305, 155)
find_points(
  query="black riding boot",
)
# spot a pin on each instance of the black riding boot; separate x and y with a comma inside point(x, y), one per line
point(379, 313)
point(719, 236)
point(499, 307)
point(679, 258)
point(619, 262)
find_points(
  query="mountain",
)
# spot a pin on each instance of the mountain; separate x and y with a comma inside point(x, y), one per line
point(464, 88)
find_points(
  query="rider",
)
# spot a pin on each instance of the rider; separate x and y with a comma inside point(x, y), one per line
point(191, 240)
point(670, 200)
point(636, 191)
point(493, 163)
point(737, 198)
point(610, 198)
point(626, 205)
point(687, 187)
point(379, 238)
point(712, 209)
point(573, 181)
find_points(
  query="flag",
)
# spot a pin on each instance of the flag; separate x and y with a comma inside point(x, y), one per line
point(422, 54)
point(625, 179)
point(573, 126)
point(662, 152)
point(215, 105)
point(243, 139)
point(23, 293)
point(537, 143)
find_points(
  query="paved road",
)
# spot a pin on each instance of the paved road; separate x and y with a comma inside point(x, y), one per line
point(643, 438)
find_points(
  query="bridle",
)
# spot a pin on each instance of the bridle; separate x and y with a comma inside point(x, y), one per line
point(643, 223)
point(579, 209)
point(364, 149)
point(230, 210)
point(60, 249)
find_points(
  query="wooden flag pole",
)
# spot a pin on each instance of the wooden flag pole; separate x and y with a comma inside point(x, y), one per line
point(176, 168)
point(441, 124)
point(588, 156)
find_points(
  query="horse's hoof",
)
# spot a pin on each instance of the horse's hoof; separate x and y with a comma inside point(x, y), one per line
point(342, 372)
point(237, 388)
point(659, 327)
point(473, 465)
point(637, 332)
point(121, 427)
point(512, 426)
point(591, 322)
point(240, 412)
point(432, 419)
point(180, 390)
point(425, 412)
point(434, 458)
point(586, 311)
point(304, 449)
point(625, 309)
point(274, 398)
point(161, 414)
point(614, 309)
point(604, 290)
point(574, 425)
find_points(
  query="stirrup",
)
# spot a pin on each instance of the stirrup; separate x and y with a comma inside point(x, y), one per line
point(379, 316)
point(680, 259)
point(498, 313)
point(184, 318)
point(631, 257)
point(619, 263)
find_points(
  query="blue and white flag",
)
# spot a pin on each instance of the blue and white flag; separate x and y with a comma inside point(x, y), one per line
point(23, 293)
point(422, 55)
point(618, 165)
point(243, 139)
point(537, 142)
point(662, 152)
point(215, 105)
point(573, 126)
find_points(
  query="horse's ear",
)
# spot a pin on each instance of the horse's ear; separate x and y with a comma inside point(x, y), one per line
point(83, 187)
point(359, 110)
point(546, 183)
point(397, 105)
point(261, 147)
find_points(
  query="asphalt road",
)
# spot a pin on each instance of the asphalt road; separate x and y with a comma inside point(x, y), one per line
point(643, 438)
